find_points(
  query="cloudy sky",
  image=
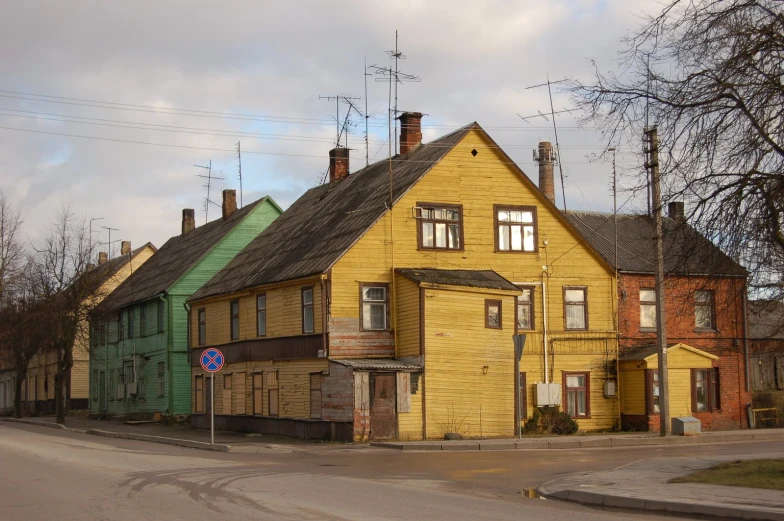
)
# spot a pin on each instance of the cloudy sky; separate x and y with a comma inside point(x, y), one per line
point(109, 105)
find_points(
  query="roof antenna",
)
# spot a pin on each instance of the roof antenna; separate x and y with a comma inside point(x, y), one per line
point(209, 177)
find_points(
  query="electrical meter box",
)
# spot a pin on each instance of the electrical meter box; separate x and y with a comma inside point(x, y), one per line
point(609, 389)
point(548, 395)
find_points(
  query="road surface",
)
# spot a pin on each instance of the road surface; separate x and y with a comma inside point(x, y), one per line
point(49, 474)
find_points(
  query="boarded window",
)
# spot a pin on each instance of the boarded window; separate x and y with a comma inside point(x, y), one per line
point(261, 314)
point(575, 308)
point(198, 402)
point(516, 228)
point(315, 395)
point(648, 308)
point(258, 394)
point(234, 307)
point(307, 310)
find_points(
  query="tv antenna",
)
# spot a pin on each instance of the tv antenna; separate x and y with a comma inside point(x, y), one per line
point(209, 177)
point(552, 115)
point(345, 99)
point(367, 143)
point(109, 242)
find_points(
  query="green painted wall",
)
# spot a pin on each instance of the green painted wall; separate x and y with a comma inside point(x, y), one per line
point(151, 344)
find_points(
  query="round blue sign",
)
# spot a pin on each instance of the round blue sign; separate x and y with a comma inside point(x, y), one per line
point(212, 360)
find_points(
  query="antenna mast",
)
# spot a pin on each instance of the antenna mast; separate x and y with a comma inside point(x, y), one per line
point(367, 143)
point(209, 177)
point(239, 168)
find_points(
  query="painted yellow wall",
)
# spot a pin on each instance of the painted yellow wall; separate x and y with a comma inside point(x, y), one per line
point(293, 386)
point(408, 319)
point(633, 385)
point(284, 313)
point(410, 423)
point(459, 396)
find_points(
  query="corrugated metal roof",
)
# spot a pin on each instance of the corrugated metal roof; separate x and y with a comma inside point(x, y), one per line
point(322, 224)
point(372, 364)
point(171, 261)
point(766, 319)
point(487, 279)
point(686, 251)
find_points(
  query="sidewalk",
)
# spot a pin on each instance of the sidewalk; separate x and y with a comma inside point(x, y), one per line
point(644, 486)
point(235, 442)
point(586, 441)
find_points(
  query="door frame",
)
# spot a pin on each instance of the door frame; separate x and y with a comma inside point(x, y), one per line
point(372, 395)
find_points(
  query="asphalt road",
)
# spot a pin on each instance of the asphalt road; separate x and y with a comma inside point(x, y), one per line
point(47, 474)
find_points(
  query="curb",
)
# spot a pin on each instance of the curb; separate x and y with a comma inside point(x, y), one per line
point(571, 443)
point(658, 506)
point(129, 436)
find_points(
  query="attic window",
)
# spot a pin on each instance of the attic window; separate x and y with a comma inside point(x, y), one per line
point(474, 152)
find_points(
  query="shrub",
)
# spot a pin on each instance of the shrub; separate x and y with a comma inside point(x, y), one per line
point(550, 420)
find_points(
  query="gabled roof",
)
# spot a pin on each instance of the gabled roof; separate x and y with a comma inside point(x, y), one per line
point(172, 261)
point(326, 221)
point(103, 272)
point(649, 353)
point(686, 251)
point(486, 279)
point(766, 319)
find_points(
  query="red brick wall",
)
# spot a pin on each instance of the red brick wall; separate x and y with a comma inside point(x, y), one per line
point(726, 342)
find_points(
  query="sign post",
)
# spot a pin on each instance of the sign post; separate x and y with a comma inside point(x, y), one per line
point(212, 361)
point(519, 344)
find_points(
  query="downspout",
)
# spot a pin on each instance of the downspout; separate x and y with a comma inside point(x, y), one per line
point(544, 316)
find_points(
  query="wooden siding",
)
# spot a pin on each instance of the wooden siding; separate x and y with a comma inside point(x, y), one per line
point(284, 313)
point(461, 395)
point(408, 317)
point(409, 424)
point(293, 384)
point(633, 386)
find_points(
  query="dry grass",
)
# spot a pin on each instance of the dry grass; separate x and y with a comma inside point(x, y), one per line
point(761, 473)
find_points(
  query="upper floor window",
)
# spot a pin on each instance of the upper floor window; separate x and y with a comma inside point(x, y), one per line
point(515, 228)
point(525, 308)
point(440, 227)
point(142, 319)
point(234, 307)
point(307, 310)
point(703, 310)
point(648, 308)
point(160, 316)
point(493, 314)
point(202, 326)
point(575, 307)
point(375, 301)
point(261, 314)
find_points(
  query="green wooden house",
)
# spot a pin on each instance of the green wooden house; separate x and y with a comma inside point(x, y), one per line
point(139, 357)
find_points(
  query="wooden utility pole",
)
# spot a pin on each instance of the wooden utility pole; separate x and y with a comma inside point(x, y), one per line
point(652, 164)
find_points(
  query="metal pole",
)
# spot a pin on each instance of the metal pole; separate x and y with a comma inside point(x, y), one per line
point(664, 403)
point(212, 409)
point(519, 409)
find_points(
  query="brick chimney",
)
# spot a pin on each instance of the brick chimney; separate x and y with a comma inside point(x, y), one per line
point(675, 211)
point(229, 203)
point(102, 257)
point(545, 156)
point(188, 221)
point(410, 131)
point(338, 164)
point(125, 247)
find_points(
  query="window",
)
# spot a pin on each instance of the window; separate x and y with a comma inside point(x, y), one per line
point(130, 315)
point(307, 310)
point(652, 379)
point(648, 309)
point(142, 320)
point(523, 398)
point(375, 301)
point(515, 228)
point(440, 227)
point(705, 390)
point(234, 307)
point(272, 382)
point(577, 394)
point(703, 309)
point(493, 314)
point(161, 378)
point(198, 402)
point(575, 308)
point(525, 309)
point(258, 394)
point(160, 316)
point(202, 326)
point(261, 314)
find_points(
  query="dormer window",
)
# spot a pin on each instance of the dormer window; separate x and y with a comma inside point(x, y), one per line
point(440, 227)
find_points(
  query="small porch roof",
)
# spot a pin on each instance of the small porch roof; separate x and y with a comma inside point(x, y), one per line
point(483, 279)
point(648, 356)
point(378, 364)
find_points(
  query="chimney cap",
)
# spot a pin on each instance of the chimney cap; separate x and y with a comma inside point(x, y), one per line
point(406, 115)
point(675, 211)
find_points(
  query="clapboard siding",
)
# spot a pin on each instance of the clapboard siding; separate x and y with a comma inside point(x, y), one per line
point(408, 308)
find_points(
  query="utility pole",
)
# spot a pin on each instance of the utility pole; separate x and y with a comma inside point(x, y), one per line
point(652, 164)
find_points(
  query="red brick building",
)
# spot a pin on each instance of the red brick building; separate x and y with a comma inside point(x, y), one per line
point(704, 306)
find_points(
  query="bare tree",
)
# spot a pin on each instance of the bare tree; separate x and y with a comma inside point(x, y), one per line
point(12, 250)
point(708, 74)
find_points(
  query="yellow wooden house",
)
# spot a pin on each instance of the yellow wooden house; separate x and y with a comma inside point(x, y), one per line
point(38, 391)
point(353, 318)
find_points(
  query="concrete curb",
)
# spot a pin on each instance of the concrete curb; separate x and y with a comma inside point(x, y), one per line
point(585, 442)
point(161, 439)
point(35, 422)
point(659, 506)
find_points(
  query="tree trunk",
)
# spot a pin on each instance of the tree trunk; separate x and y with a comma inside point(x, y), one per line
point(20, 379)
point(59, 396)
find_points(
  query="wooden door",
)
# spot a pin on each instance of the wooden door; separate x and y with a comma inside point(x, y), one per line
point(382, 406)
